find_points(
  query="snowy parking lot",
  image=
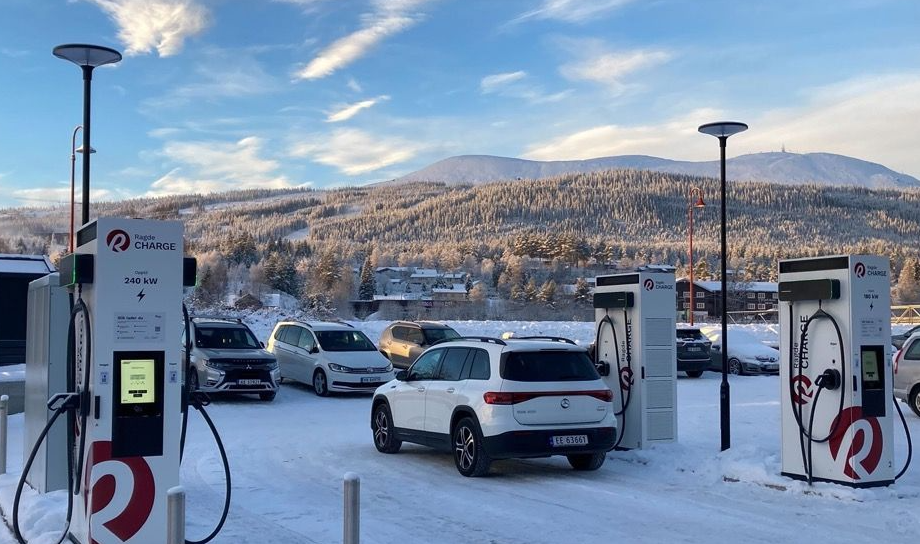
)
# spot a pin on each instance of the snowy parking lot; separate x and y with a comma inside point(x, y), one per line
point(288, 458)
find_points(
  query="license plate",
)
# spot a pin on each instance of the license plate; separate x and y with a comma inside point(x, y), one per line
point(569, 440)
point(249, 382)
point(694, 349)
point(369, 380)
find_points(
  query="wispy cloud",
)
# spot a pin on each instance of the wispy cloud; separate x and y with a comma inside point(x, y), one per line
point(344, 112)
point(389, 17)
point(308, 6)
point(220, 75)
point(597, 63)
point(495, 82)
point(517, 85)
point(161, 25)
point(354, 85)
point(354, 152)
point(572, 11)
point(57, 195)
point(209, 166)
point(14, 53)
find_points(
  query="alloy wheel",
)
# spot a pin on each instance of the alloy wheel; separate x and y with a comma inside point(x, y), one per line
point(465, 447)
point(382, 429)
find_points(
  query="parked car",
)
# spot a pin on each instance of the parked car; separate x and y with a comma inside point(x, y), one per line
point(227, 358)
point(746, 354)
point(403, 341)
point(485, 399)
point(907, 373)
point(897, 340)
point(693, 351)
point(328, 356)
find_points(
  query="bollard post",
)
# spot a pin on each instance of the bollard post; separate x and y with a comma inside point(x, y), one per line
point(4, 413)
point(175, 515)
point(352, 508)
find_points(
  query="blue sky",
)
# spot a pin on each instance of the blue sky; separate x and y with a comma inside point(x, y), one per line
point(224, 94)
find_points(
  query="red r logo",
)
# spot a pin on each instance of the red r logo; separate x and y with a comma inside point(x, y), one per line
point(118, 240)
point(865, 452)
point(649, 284)
point(860, 270)
point(801, 389)
point(626, 378)
point(128, 521)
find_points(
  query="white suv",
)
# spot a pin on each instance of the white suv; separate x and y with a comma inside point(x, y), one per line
point(330, 356)
point(485, 399)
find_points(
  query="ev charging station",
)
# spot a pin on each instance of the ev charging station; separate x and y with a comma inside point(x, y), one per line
point(125, 400)
point(636, 341)
point(836, 372)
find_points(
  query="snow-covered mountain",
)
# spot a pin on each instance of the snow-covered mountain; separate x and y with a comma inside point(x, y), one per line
point(777, 167)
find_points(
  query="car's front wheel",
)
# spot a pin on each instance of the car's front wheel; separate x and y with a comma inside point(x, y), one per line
point(694, 373)
point(734, 367)
point(384, 436)
point(320, 385)
point(193, 383)
point(587, 461)
point(914, 399)
point(469, 454)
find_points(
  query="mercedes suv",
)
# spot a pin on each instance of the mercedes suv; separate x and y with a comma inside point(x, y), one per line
point(484, 399)
point(403, 341)
point(227, 358)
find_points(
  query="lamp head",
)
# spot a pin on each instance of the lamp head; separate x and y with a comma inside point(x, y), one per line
point(87, 55)
point(699, 203)
point(723, 129)
point(80, 149)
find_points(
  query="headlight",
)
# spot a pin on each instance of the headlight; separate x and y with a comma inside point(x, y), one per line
point(389, 367)
point(213, 364)
point(339, 368)
point(273, 365)
point(765, 359)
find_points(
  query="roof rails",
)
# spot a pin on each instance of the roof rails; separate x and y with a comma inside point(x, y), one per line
point(218, 318)
point(550, 338)
point(486, 339)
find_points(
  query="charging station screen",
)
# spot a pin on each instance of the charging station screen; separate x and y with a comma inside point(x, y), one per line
point(870, 367)
point(137, 381)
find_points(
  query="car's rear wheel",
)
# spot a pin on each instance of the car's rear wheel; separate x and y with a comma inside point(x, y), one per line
point(469, 455)
point(193, 384)
point(694, 373)
point(587, 461)
point(320, 385)
point(268, 395)
point(382, 424)
point(915, 400)
point(734, 367)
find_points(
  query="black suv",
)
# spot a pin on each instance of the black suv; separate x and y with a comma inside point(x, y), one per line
point(227, 358)
point(693, 350)
point(403, 341)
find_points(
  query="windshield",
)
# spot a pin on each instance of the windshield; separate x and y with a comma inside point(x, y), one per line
point(225, 338)
point(344, 341)
point(689, 334)
point(549, 366)
point(436, 335)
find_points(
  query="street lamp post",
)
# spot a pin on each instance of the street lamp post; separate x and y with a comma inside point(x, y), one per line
point(73, 159)
point(722, 130)
point(690, 206)
point(87, 57)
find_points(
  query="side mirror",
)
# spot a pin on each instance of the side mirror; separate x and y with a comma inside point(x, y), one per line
point(603, 368)
point(716, 348)
point(314, 349)
point(402, 376)
point(262, 344)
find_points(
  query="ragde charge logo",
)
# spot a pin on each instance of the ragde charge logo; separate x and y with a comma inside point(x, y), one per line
point(111, 509)
point(118, 240)
point(649, 284)
point(860, 270)
point(802, 391)
point(865, 451)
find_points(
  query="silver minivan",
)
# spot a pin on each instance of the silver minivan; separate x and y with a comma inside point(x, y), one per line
point(907, 373)
point(328, 356)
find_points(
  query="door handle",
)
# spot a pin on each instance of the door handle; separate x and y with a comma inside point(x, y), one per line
point(450, 389)
point(421, 389)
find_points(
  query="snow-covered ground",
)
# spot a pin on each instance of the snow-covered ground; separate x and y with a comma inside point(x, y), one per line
point(288, 458)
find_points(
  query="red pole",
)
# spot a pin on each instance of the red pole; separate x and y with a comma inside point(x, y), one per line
point(692, 301)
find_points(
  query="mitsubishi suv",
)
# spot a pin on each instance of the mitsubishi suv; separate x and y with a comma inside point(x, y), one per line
point(484, 399)
point(403, 341)
point(693, 351)
point(227, 358)
point(329, 356)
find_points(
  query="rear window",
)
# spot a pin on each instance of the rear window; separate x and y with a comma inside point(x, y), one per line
point(913, 352)
point(436, 335)
point(548, 366)
point(690, 335)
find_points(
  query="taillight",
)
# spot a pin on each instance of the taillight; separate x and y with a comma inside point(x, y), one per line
point(897, 359)
point(493, 397)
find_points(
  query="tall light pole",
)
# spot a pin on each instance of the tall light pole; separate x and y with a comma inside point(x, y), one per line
point(690, 206)
point(722, 130)
point(73, 160)
point(87, 57)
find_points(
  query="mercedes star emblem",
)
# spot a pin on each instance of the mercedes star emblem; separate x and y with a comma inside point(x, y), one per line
point(565, 403)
